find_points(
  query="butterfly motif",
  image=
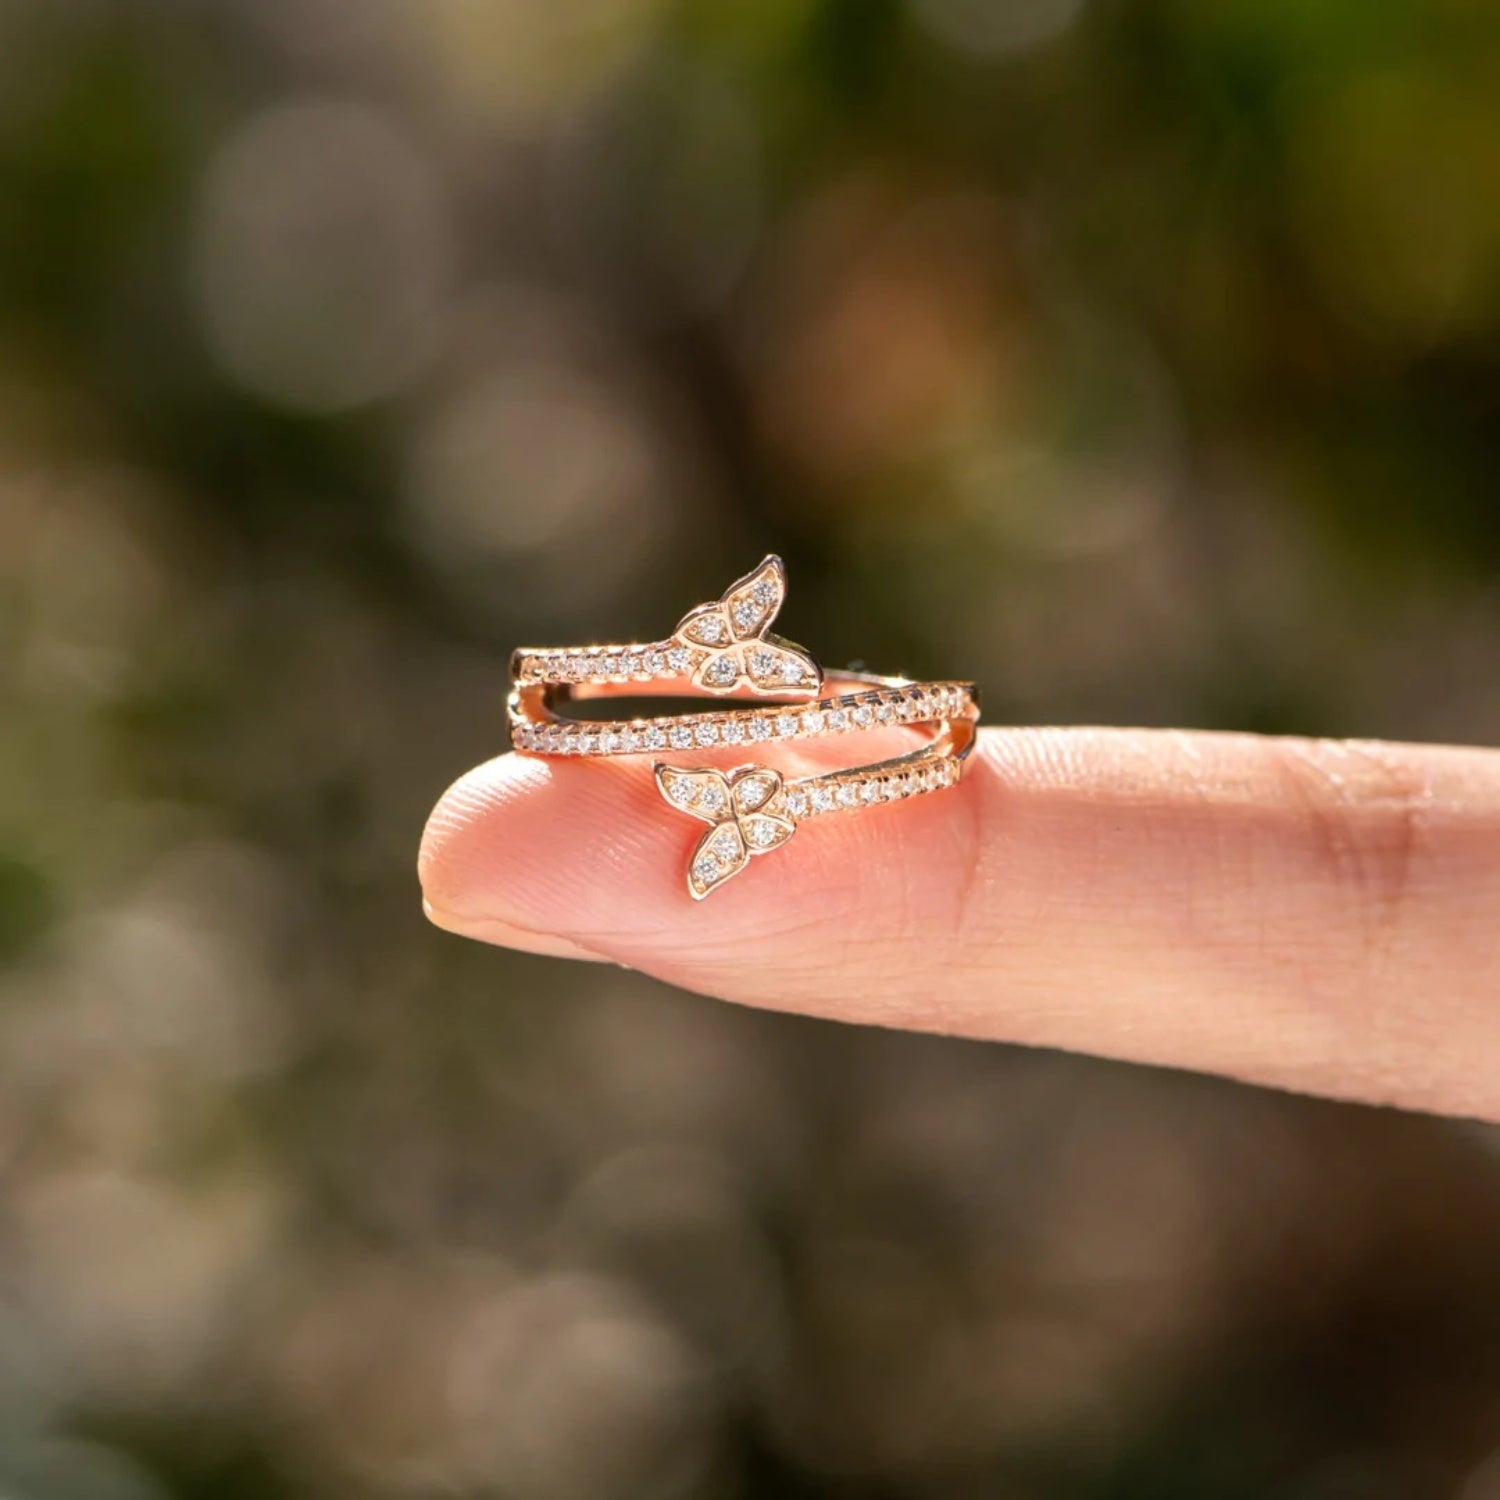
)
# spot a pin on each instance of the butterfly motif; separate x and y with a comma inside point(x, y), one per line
point(733, 639)
point(734, 804)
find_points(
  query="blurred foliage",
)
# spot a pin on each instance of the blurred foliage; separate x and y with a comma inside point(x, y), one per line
point(1140, 358)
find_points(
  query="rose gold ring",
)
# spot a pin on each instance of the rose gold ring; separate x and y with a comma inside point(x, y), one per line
point(726, 649)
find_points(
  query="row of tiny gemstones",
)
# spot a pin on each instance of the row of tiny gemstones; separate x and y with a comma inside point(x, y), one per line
point(851, 789)
point(609, 664)
point(830, 716)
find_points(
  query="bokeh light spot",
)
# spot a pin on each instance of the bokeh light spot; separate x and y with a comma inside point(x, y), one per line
point(321, 256)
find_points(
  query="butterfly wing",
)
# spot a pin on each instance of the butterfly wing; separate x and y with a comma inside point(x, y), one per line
point(764, 832)
point(752, 602)
point(720, 854)
point(706, 626)
point(774, 665)
point(719, 671)
point(752, 787)
point(701, 793)
point(753, 790)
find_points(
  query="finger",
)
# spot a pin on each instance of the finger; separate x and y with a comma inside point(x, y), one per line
point(505, 934)
point(1312, 914)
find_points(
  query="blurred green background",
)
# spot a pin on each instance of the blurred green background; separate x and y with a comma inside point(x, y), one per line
point(1139, 358)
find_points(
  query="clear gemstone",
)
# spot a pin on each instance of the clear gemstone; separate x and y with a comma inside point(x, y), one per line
point(786, 725)
point(822, 799)
point(588, 744)
point(848, 794)
point(796, 803)
point(734, 732)
point(656, 662)
point(885, 713)
point(709, 630)
point(895, 788)
point(614, 666)
point(760, 729)
point(792, 670)
point(712, 798)
point(764, 592)
point(611, 743)
point(723, 845)
point(684, 793)
point(681, 737)
point(656, 739)
point(635, 664)
point(678, 658)
point(837, 719)
point(722, 671)
point(708, 734)
point(706, 868)
point(746, 613)
point(762, 834)
point(631, 741)
point(576, 667)
point(755, 791)
point(869, 791)
point(812, 721)
point(863, 717)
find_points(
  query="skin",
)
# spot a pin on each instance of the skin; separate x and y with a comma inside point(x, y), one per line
point(1314, 915)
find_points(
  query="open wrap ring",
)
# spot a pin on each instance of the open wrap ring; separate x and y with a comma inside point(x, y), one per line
point(726, 649)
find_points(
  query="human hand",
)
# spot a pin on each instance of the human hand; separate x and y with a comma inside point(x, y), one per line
point(1316, 915)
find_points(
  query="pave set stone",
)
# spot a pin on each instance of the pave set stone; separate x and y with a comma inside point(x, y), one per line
point(632, 663)
point(844, 790)
point(845, 714)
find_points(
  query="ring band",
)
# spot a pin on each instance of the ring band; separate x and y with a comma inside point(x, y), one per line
point(726, 649)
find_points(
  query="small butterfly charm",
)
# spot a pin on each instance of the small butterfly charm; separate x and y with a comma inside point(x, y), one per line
point(735, 805)
point(733, 639)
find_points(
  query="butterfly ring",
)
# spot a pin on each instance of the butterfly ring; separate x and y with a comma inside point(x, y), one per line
point(726, 649)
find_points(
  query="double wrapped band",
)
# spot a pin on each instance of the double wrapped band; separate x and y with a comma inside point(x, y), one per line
point(725, 649)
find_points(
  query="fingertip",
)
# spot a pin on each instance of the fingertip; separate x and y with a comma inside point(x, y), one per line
point(526, 845)
point(503, 934)
point(463, 857)
point(458, 845)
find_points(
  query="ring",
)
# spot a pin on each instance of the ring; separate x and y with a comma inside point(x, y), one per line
point(726, 649)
